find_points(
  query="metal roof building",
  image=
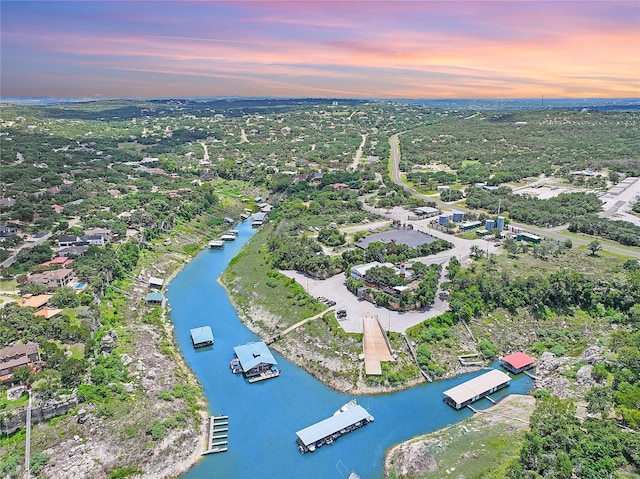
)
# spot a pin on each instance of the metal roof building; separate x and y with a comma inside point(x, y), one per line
point(154, 298)
point(201, 337)
point(517, 362)
point(254, 357)
point(331, 425)
point(476, 388)
point(411, 238)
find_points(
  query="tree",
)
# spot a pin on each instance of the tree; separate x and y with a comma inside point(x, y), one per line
point(594, 246)
point(476, 252)
point(600, 399)
point(64, 297)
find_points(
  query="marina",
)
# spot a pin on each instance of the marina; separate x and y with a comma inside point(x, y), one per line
point(266, 414)
point(348, 418)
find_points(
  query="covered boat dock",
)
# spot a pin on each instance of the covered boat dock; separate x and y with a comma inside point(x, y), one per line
point(517, 363)
point(481, 386)
point(327, 430)
point(201, 337)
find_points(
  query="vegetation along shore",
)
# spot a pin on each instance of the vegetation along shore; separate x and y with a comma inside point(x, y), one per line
point(464, 235)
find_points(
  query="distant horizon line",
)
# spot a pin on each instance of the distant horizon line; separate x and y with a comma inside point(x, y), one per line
point(49, 100)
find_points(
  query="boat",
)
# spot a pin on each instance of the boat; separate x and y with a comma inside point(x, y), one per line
point(346, 406)
point(235, 366)
point(311, 447)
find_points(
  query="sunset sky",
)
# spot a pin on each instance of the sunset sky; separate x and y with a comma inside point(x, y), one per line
point(355, 49)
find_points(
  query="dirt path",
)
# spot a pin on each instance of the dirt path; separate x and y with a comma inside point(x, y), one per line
point(356, 159)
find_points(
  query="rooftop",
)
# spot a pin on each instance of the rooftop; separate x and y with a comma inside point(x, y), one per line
point(411, 238)
point(519, 360)
point(252, 354)
point(477, 386)
point(203, 334)
point(332, 424)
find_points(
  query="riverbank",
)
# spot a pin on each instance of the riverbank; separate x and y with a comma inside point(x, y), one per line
point(479, 446)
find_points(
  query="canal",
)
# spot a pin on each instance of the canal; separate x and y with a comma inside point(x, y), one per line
point(264, 416)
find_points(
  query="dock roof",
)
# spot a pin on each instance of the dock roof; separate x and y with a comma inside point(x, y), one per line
point(156, 281)
point(477, 386)
point(252, 354)
point(332, 424)
point(203, 334)
point(519, 360)
point(154, 297)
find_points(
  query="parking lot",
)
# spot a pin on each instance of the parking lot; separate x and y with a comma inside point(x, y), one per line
point(334, 289)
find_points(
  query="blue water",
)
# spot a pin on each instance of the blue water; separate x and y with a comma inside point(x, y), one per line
point(264, 416)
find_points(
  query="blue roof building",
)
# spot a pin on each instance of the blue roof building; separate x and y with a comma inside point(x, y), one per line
point(255, 358)
point(201, 337)
point(154, 298)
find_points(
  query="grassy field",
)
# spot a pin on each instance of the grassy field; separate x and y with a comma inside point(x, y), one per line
point(601, 240)
point(478, 447)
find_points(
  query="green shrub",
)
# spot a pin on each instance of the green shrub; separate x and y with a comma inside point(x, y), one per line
point(123, 472)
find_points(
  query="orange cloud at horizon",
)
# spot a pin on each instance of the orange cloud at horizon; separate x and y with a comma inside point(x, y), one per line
point(489, 49)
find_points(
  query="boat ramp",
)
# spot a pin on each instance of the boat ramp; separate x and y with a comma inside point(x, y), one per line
point(218, 428)
point(348, 418)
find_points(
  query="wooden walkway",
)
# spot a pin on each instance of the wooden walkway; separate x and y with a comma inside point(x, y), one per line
point(278, 336)
point(218, 428)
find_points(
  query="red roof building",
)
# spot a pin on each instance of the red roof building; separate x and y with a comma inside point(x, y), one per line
point(517, 362)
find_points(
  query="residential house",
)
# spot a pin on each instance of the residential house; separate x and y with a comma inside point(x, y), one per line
point(66, 241)
point(61, 261)
point(16, 356)
point(58, 208)
point(73, 250)
point(31, 301)
point(52, 279)
point(7, 231)
point(48, 313)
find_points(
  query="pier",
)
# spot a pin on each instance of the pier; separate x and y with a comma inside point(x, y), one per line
point(218, 428)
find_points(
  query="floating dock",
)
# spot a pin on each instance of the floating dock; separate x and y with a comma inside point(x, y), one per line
point(218, 428)
point(202, 337)
point(215, 244)
point(348, 418)
point(228, 237)
point(271, 373)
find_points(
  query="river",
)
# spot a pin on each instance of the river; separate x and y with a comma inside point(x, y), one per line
point(264, 416)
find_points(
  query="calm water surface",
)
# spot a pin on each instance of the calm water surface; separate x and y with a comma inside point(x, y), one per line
point(264, 416)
